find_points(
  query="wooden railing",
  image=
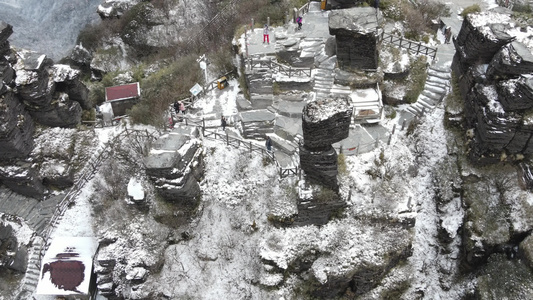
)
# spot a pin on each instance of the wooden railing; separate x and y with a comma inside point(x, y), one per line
point(301, 11)
point(239, 143)
point(416, 48)
point(86, 174)
point(277, 67)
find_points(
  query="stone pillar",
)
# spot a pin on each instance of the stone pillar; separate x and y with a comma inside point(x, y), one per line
point(324, 122)
point(355, 32)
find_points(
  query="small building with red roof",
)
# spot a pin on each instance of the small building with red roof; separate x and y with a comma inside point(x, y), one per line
point(123, 97)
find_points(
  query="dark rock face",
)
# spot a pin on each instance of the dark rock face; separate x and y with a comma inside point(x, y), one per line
point(23, 179)
point(494, 79)
point(477, 42)
point(325, 122)
point(176, 168)
point(320, 165)
point(11, 255)
point(355, 33)
point(16, 128)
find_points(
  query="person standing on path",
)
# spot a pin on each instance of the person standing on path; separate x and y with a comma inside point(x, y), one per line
point(223, 123)
point(299, 21)
point(265, 34)
point(268, 144)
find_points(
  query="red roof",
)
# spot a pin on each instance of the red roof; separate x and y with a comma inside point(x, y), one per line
point(120, 92)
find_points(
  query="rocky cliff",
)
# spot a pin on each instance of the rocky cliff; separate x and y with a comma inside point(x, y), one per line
point(32, 90)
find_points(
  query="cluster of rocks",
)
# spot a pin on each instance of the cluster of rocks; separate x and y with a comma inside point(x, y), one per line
point(355, 32)
point(494, 77)
point(324, 122)
point(175, 164)
point(32, 89)
point(12, 256)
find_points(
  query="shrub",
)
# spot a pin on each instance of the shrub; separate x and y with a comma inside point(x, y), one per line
point(162, 88)
point(470, 10)
point(416, 79)
point(324, 194)
point(341, 162)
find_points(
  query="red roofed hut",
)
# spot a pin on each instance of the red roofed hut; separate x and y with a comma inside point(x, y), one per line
point(123, 97)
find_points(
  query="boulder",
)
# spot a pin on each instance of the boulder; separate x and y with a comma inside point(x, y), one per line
point(22, 178)
point(80, 56)
point(516, 94)
point(355, 32)
point(16, 128)
point(175, 165)
point(68, 81)
point(57, 173)
point(326, 121)
point(477, 42)
point(511, 61)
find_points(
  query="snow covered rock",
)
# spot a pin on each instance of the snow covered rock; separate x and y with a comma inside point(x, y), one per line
point(325, 122)
point(115, 8)
point(175, 164)
point(355, 34)
point(256, 124)
point(512, 60)
point(481, 36)
point(22, 178)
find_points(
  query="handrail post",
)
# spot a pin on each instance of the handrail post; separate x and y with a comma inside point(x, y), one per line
point(203, 126)
point(250, 149)
point(227, 139)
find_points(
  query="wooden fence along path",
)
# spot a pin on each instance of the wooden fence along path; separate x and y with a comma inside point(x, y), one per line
point(241, 144)
point(280, 68)
point(416, 48)
point(87, 174)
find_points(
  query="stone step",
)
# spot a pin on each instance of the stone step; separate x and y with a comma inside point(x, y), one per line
point(436, 88)
point(439, 74)
point(438, 81)
point(425, 104)
point(430, 95)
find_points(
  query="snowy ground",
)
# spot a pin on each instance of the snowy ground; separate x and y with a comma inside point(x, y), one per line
point(232, 232)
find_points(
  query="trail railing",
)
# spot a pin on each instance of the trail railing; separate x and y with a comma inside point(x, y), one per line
point(416, 48)
point(280, 68)
point(241, 144)
point(86, 174)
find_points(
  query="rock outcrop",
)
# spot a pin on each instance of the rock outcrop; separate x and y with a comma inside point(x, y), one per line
point(32, 89)
point(16, 129)
point(324, 122)
point(494, 73)
point(355, 31)
point(175, 165)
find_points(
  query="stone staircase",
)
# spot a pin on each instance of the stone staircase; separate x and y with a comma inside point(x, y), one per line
point(325, 84)
point(31, 279)
point(436, 87)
